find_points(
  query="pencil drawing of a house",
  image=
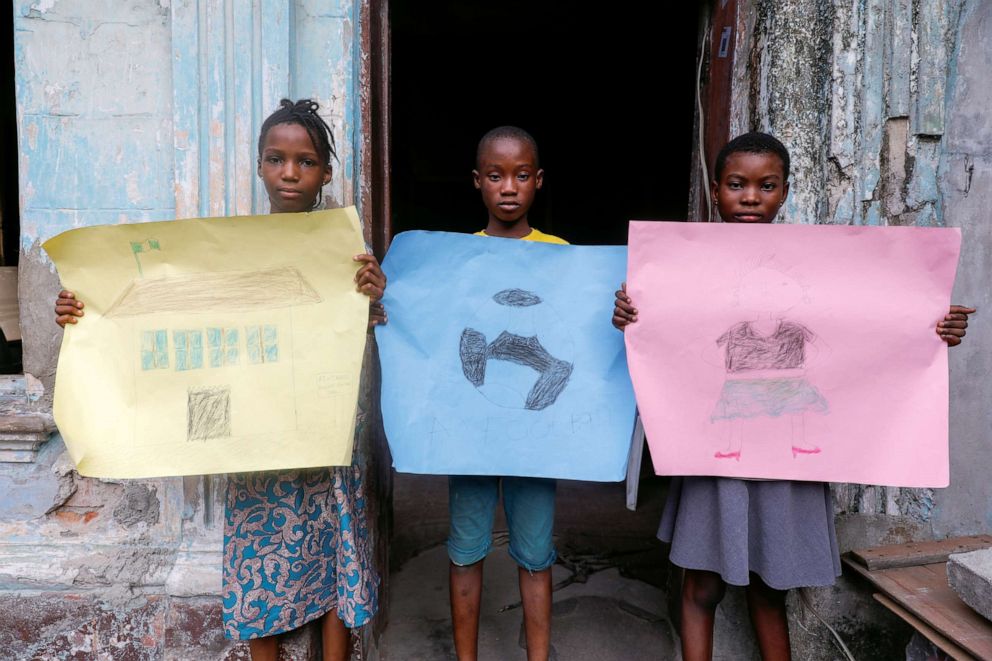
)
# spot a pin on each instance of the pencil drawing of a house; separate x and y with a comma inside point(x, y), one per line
point(221, 352)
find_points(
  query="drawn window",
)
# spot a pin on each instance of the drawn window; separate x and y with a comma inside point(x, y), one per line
point(189, 349)
point(263, 344)
point(154, 350)
point(223, 345)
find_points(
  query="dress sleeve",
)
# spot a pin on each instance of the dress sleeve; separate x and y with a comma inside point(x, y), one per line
point(724, 340)
point(807, 334)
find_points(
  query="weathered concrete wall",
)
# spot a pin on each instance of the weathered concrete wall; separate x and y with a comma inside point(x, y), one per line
point(965, 189)
point(129, 111)
point(882, 105)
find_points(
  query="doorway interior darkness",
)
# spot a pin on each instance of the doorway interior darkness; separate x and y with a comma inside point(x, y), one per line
point(609, 96)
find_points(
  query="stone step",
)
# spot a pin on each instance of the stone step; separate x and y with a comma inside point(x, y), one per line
point(970, 576)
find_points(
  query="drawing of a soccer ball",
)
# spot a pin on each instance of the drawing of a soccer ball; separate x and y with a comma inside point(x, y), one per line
point(516, 351)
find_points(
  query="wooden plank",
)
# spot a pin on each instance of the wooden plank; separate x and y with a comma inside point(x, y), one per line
point(919, 553)
point(924, 592)
point(942, 642)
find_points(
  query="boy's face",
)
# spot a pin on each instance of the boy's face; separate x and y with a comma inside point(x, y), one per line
point(291, 169)
point(508, 177)
point(751, 189)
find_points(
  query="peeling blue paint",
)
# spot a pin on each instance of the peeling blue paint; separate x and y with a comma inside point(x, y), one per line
point(899, 29)
point(873, 214)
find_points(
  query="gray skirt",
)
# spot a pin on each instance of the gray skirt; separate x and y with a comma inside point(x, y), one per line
point(782, 531)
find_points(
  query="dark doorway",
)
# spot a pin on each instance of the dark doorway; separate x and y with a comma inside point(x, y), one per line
point(609, 96)
point(10, 234)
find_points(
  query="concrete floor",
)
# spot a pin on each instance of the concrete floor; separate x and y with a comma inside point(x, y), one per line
point(612, 580)
point(609, 602)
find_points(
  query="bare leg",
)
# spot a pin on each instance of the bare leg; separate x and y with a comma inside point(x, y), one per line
point(264, 649)
point(335, 638)
point(465, 591)
point(535, 593)
point(735, 440)
point(799, 436)
point(702, 592)
point(767, 608)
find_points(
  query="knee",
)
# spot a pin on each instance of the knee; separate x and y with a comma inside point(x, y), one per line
point(760, 594)
point(703, 589)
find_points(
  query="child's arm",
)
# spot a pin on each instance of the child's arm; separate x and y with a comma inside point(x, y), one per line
point(371, 281)
point(67, 308)
point(624, 311)
point(952, 327)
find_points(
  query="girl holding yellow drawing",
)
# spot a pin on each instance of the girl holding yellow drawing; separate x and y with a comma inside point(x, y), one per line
point(296, 544)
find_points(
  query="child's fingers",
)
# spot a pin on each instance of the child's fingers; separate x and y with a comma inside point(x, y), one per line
point(376, 277)
point(68, 310)
point(370, 273)
point(372, 291)
point(952, 331)
point(64, 319)
point(960, 309)
point(68, 303)
point(368, 261)
point(377, 315)
point(624, 316)
point(625, 306)
point(621, 321)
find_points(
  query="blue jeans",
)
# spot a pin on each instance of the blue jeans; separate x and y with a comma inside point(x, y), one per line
point(529, 504)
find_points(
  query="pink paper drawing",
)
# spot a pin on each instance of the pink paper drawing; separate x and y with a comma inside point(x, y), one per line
point(792, 352)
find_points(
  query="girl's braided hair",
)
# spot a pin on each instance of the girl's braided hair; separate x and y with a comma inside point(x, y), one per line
point(304, 113)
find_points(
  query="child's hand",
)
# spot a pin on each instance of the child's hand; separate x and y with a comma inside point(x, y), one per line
point(67, 308)
point(370, 279)
point(624, 311)
point(952, 328)
point(377, 315)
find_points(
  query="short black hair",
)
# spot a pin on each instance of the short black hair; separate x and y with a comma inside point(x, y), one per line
point(754, 142)
point(304, 113)
point(512, 132)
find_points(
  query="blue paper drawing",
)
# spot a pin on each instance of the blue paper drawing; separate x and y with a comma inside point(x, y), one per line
point(552, 373)
point(510, 365)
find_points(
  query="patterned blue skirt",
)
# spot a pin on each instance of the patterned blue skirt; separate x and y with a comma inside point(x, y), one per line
point(296, 546)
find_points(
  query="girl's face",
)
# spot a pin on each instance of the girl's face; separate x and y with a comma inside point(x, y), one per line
point(751, 189)
point(291, 169)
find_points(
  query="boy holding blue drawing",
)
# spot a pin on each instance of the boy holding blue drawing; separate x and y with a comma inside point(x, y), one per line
point(508, 175)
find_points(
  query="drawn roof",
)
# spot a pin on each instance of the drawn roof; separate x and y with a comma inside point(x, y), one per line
point(233, 291)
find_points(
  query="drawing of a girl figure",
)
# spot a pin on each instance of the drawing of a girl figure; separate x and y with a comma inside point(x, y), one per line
point(765, 358)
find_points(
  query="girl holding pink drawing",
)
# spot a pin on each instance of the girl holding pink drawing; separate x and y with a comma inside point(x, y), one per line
point(768, 535)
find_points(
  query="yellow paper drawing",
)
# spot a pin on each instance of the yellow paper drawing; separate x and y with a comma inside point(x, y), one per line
point(212, 345)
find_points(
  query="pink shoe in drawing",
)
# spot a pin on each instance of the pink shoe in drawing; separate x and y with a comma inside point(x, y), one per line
point(796, 451)
point(730, 455)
